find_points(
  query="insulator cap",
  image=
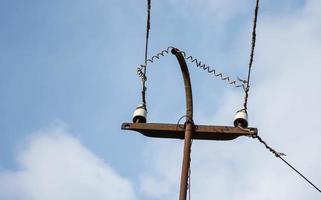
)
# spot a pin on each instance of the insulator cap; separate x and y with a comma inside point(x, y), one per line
point(140, 114)
point(240, 119)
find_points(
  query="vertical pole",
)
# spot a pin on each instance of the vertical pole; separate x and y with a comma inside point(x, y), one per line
point(186, 161)
point(188, 124)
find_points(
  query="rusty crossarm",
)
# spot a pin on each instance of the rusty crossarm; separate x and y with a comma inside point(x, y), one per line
point(176, 131)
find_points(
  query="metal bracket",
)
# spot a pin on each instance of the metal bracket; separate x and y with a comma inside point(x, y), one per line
point(176, 131)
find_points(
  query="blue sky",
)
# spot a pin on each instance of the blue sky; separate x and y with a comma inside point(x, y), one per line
point(68, 80)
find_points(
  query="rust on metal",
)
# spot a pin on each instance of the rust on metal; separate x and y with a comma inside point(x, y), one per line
point(176, 131)
point(187, 83)
point(186, 160)
point(189, 124)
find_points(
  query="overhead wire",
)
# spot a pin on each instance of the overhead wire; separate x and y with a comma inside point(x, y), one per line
point(247, 82)
point(246, 90)
point(144, 77)
point(142, 70)
point(297, 171)
point(279, 155)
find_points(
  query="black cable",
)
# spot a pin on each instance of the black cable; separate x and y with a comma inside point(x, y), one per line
point(279, 155)
point(146, 53)
point(247, 87)
point(299, 173)
point(179, 120)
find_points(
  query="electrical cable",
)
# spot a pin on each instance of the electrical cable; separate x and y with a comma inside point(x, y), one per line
point(207, 68)
point(247, 82)
point(197, 62)
point(179, 120)
point(247, 87)
point(299, 173)
point(144, 79)
point(279, 155)
point(141, 71)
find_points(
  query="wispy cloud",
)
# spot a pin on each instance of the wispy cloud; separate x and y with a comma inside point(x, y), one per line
point(55, 165)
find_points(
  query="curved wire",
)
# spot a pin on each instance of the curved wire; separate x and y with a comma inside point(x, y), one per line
point(207, 68)
point(193, 60)
point(140, 70)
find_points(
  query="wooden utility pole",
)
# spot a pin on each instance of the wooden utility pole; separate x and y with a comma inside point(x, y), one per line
point(189, 131)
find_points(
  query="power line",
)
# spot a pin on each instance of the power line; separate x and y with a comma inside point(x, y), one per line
point(279, 155)
point(299, 173)
point(146, 53)
point(247, 82)
point(141, 71)
point(247, 88)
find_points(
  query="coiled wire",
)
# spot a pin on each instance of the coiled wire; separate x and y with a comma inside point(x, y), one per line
point(236, 83)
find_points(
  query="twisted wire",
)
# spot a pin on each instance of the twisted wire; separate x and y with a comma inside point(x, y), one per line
point(279, 155)
point(276, 154)
point(253, 135)
point(143, 70)
point(193, 60)
point(207, 68)
point(140, 70)
point(247, 82)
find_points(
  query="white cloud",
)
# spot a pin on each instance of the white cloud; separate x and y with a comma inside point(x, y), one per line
point(159, 181)
point(54, 165)
point(284, 104)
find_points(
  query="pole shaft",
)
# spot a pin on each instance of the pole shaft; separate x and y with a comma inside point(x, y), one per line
point(186, 161)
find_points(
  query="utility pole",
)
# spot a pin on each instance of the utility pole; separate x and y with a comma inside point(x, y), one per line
point(189, 131)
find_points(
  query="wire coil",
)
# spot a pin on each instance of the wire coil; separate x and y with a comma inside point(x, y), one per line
point(198, 63)
point(207, 68)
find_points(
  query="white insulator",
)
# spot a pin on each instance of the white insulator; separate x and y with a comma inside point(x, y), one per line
point(240, 119)
point(140, 114)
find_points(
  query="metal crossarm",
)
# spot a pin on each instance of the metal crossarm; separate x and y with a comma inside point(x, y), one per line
point(176, 131)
